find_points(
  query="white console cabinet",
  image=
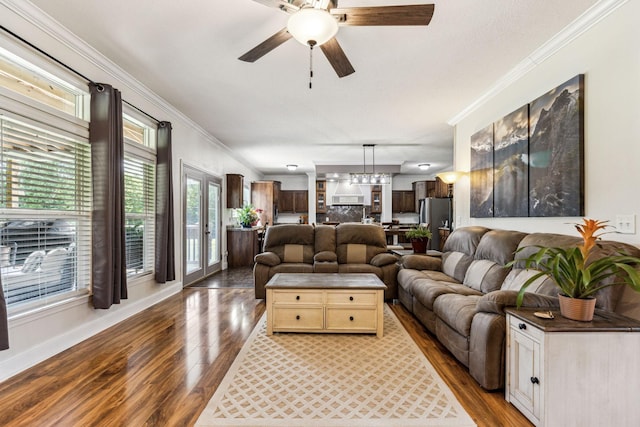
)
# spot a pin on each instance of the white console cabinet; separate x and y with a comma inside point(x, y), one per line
point(566, 373)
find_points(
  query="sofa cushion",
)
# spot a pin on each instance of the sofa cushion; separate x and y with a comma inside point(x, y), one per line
point(356, 253)
point(359, 243)
point(484, 275)
point(325, 238)
point(455, 264)
point(291, 242)
point(325, 256)
point(518, 277)
point(384, 259)
point(267, 258)
point(426, 291)
point(293, 253)
point(457, 311)
point(422, 262)
point(496, 248)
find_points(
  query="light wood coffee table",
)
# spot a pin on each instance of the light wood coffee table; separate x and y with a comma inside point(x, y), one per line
point(325, 302)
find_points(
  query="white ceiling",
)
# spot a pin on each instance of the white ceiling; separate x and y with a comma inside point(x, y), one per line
point(409, 81)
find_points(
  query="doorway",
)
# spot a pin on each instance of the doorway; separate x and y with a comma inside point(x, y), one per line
point(202, 206)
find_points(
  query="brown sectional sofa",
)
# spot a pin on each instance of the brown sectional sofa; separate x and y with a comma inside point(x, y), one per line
point(461, 297)
point(345, 248)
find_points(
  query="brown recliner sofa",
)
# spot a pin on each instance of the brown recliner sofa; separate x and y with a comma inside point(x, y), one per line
point(345, 248)
point(462, 296)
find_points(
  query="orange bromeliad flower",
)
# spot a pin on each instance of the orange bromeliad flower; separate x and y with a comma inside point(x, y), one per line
point(588, 232)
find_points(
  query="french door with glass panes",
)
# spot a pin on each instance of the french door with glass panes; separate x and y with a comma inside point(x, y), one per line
point(201, 195)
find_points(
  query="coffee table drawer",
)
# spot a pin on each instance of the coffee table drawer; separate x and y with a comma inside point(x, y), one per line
point(297, 319)
point(352, 297)
point(350, 319)
point(297, 297)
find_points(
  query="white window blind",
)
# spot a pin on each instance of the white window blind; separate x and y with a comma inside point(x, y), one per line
point(139, 201)
point(45, 211)
point(139, 188)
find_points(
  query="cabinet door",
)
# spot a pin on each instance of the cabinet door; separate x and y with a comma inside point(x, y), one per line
point(235, 189)
point(442, 189)
point(321, 202)
point(524, 372)
point(301, 201)
point(376, 202)
point(408, 201)
point(396, 201)
point(286, 203)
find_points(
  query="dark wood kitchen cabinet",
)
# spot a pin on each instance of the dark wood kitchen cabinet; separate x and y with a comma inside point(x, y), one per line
point(235, 190)
point(265, 195)
point(293, 201)
point(402, 201)
point(242, 246)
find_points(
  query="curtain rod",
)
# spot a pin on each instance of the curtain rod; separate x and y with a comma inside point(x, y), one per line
point(73, 70)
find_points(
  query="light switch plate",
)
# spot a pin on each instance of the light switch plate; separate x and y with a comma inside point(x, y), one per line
point(626, 224)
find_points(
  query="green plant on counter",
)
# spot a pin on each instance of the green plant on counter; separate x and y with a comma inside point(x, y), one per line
point(419, 232)
point(247, 215)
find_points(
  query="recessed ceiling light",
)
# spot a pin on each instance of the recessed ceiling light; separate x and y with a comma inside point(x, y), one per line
point(292, 167)
point(424, 166)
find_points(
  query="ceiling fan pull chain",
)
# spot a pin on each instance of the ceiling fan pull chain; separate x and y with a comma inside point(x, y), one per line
point(311, 44)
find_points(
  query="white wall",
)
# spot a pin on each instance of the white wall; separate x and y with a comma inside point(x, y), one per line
point(609, 56)
point(37, 335)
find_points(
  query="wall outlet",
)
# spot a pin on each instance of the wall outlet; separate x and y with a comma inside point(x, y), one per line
point(626, 224)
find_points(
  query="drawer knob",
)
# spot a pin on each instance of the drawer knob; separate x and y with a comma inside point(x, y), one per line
point(298, 317)
point(522, 326)
point(535, 380)
point(350, 298)
point(351, 318)
point(297, 297)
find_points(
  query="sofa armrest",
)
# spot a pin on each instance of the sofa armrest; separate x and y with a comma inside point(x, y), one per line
point(422, 262)
point(383, 259)
point(267, 258)
point(325, 256)
point(497, 301)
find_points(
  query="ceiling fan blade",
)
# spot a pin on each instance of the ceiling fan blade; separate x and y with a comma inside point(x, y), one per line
point(417, 14)
point(266, 46)
point(337, 58)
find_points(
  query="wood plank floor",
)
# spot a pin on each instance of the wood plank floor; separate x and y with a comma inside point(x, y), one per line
point(161, 367)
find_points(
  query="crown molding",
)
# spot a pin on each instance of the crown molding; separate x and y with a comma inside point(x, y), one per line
point(584, 22)
point(38, 18)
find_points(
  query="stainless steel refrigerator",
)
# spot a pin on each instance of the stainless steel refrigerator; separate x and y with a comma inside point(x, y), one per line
point(435, 212)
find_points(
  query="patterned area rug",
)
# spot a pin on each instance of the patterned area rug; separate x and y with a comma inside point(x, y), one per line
point(333, 380)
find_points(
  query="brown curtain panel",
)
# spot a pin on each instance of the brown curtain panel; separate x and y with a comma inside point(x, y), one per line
point(4, 322)
point(109, 275)
point(165, 248)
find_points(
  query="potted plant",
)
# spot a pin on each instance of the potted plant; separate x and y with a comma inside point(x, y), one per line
point(579, 278)
point(419, 238)
point(247, 216)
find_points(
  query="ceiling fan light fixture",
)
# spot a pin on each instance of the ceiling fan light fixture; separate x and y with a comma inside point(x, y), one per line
point(311, 24)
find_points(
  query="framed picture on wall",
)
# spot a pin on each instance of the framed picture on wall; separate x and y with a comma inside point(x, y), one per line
point(481, 173)
point(510, 171)
point(556, 151)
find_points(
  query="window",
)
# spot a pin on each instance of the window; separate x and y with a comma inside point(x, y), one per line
point(139, 188)
point(45, 180)
point(27, 80)
point(45, 211)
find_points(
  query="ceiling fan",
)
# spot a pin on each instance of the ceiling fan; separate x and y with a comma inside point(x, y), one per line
point(315, 23)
